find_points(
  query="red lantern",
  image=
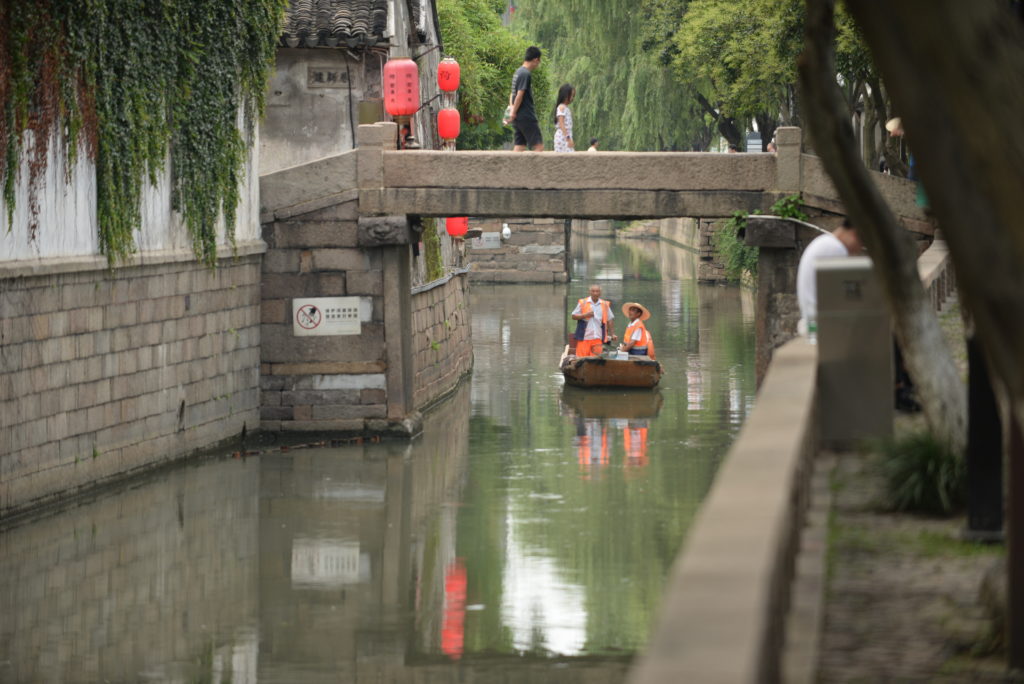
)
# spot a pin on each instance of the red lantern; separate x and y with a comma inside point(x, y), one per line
point(448, 124)
point(401, 87)
point(456, 225)
point(448, 75)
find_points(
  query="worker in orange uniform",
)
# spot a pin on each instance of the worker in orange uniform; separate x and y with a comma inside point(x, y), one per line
point(595, 323)
point(636, 340)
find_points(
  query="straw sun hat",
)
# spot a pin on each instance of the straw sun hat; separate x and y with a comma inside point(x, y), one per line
point(628, 305)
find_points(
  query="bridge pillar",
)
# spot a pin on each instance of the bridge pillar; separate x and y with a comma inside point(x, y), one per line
point(781, 242)
point(391, 236)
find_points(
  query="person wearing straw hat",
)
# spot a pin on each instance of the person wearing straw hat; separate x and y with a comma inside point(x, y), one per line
point(636, 340)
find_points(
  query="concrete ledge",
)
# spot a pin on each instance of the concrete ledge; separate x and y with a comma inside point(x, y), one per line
point(899, 193)
point(727, 595)
point(25, 268)
point(932, 264)
point(937, 275)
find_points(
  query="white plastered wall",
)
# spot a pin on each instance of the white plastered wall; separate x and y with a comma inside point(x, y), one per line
point(67, 224)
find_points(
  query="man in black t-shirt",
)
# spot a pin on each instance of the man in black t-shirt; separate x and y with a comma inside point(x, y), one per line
point(522, 116)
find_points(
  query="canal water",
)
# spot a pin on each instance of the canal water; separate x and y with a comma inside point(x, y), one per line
point(525, 536)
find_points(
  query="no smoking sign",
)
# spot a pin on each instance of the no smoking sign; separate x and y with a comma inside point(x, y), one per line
point(326, 316)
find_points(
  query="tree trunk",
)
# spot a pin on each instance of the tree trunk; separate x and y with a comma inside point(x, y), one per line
point(726, 124)
point(890, 147)
point(766, 125)
point(955, 71)
point(928, 359)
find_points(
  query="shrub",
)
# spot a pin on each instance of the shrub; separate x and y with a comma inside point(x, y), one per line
point(922, 475)
point(432, 250)
point(738, 258)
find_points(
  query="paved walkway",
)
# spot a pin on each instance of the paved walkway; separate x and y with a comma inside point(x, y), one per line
point(902, 598)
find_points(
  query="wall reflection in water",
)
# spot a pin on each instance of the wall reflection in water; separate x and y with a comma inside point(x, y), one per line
point(525, 536)
point(141, 584)
point(355, 546)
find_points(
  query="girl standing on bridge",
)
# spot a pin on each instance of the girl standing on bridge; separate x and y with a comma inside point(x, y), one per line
point(563, 119)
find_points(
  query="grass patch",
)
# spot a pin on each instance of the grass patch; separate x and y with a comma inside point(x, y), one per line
point(922, 475)
point(922, 543)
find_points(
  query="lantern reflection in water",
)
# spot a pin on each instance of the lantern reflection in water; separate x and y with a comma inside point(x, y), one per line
point(453, 626)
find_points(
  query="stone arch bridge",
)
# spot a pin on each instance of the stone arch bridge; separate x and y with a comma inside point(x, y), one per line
point(341, 226)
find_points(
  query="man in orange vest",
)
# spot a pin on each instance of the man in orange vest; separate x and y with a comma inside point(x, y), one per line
point(596, 323)
point(636, 340)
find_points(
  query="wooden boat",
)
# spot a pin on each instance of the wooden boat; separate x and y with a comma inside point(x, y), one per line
point(601, 371)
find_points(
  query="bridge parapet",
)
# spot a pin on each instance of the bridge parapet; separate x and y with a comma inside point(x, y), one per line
point(621, 185)
point(899, 193)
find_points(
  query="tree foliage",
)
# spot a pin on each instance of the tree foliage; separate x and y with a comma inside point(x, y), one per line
point(488, 55)
point(625, 96)
point(740, 55)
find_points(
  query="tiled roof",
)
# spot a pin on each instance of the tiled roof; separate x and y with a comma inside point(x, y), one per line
point(332, 23)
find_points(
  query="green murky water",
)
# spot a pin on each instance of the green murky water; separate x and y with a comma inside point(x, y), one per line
point(525, 536)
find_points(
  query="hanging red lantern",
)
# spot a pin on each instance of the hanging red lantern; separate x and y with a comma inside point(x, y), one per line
point(448, 75)
point(448, 124)
point(401, 87)
point(456, 225)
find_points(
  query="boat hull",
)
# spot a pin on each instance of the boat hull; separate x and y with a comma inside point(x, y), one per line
point(595, 371)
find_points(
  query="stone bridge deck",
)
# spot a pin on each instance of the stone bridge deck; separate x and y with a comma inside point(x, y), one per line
point(620, 185)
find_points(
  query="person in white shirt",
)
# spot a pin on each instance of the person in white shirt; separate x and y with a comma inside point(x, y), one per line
point(841, 242)
point(595, 323)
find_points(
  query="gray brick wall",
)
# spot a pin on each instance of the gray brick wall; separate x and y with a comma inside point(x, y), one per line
point(442, 340)
point(103, 373)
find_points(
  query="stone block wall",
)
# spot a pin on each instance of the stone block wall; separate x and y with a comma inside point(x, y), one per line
point(331, 383)
point(442, 340)
point(534, 253)
point(103, 372)
point(710, 269)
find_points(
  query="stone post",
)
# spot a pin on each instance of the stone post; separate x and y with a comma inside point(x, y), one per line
point(789, 165)
point(391, 235)
point(373, 140)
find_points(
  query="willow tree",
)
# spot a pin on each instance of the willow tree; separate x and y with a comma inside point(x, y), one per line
point(624, 95)
point(488, 54)
point(738, 56)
